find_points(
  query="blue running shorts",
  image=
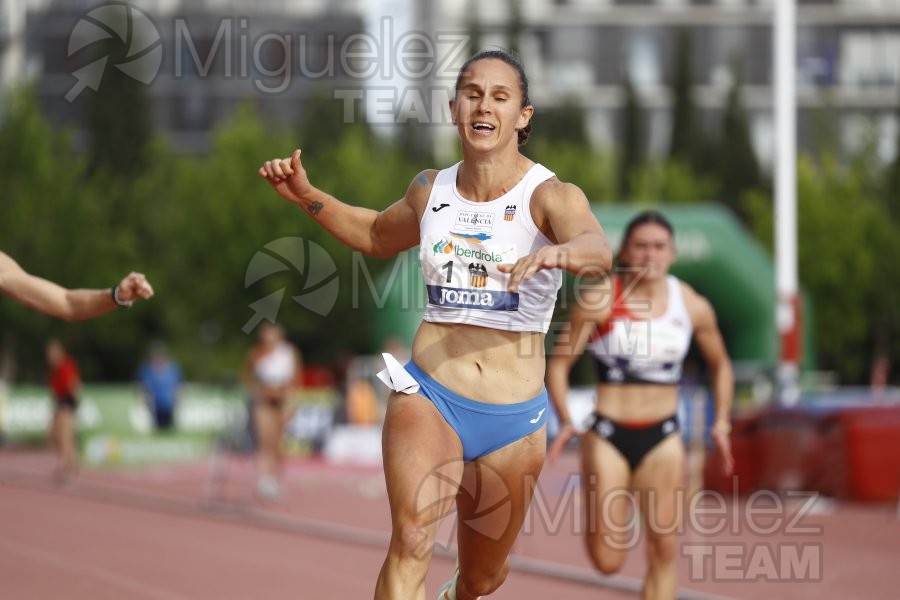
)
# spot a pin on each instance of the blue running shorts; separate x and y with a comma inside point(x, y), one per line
point(482, 427)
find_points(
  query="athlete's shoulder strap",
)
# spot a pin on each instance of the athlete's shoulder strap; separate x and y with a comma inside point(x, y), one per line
point(535, 176)
point(676, 296)
point(447, 177)
point(442, 188)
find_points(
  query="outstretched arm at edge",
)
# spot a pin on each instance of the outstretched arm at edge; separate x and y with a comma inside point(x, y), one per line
point(71, 305)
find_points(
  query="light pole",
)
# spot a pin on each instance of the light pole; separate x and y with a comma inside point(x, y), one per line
point(787, 312)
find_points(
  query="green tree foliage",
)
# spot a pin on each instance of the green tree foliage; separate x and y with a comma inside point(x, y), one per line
point(846, 250)
point(738, 169)
point(562, 125)
point(593, 172)
point(728, 160)
point(892, 184)
point(681, 143)
point(632, 136)
point(671, 181)
point(559, 140)
point(825, 126)
point(515, 25)
point(119, 117)
point(887, 340)
point(688, 142)
point(473, 27)
point(325, 120)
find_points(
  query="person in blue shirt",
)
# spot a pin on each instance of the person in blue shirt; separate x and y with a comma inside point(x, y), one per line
point(160, 380)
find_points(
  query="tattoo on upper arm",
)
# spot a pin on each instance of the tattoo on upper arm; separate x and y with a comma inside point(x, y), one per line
point(422, 179)
point(315, 207)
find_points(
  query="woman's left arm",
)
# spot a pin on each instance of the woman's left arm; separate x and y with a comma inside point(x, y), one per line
point(709, 340)
point(562, 213)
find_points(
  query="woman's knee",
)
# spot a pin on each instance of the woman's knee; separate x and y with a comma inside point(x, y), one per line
point(480, 582)
point(607, 560)
point(412, 538)
point(661, 549)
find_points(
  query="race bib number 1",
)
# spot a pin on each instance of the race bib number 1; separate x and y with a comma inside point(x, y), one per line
point(463, 274)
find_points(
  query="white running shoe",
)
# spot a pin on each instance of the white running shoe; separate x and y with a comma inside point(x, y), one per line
point(448, 590)
point(268, 488)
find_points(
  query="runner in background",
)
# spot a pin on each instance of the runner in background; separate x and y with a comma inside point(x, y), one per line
point(637, 327)
point(268, 375)
point(65, 385)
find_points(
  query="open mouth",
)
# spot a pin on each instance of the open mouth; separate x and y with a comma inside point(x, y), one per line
point(482, 128)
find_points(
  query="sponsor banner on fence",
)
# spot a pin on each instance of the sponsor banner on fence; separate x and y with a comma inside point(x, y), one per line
point(115, 425)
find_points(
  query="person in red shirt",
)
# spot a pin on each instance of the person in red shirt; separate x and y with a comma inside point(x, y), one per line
point(65, 384)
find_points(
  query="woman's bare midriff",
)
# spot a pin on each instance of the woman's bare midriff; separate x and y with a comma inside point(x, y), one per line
point(483, 364)
point(637, 402)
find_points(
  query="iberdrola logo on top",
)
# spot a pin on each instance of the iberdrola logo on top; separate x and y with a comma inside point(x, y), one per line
point(447, 247)
point(443, 246)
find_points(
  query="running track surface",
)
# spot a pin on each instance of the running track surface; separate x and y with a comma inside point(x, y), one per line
point(196, 532)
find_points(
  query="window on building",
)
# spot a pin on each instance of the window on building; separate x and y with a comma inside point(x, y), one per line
point(870, 59)
point(643, 59)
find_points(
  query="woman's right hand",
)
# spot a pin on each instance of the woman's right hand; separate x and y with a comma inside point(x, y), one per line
point(565, 435)
point(288, 177)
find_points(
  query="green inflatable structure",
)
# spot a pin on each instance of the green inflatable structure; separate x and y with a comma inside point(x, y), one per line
point(715, 255)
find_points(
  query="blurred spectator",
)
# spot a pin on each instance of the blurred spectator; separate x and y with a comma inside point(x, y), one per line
point(7, 368)
point(362, 403)
point(160, 381)
point(268, 373)
point(65, 384)
point(3, 392)
point(881, 370)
